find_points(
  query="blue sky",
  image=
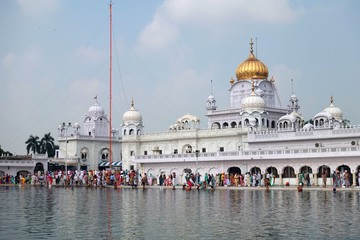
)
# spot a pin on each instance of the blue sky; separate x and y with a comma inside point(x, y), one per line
point(54, 58)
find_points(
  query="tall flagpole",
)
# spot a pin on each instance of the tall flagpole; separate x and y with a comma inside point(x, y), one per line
point(110, 127)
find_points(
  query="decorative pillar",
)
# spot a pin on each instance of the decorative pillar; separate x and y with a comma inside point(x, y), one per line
point(315, 180)
point(354, 179)
point(280, 180)
point(297, 179)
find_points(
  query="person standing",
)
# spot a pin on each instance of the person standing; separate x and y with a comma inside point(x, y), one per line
point(161, 181)
point(324, 175)
point(174, 180)
point(347, 179)
point(143, 181)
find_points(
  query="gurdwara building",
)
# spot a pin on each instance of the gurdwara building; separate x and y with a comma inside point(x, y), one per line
point(253, 134)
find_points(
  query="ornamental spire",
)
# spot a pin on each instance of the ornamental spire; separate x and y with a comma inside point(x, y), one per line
point(251, 46)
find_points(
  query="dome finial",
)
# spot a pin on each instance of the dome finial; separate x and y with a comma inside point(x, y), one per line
point(252, 87)
point(331, 99)
point(251, 46)
point(251, 67)
point(132, 102)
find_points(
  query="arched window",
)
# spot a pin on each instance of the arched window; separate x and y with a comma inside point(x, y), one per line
point(246, 122)
point(233, 125)
point(273, 124)
point(263, 122)
point(124, 132)
point(285, 125)
point(138, 132)
point(215, 125)
point(267, 123)
point(131, 132)
point(289, 172)
point(225, 125)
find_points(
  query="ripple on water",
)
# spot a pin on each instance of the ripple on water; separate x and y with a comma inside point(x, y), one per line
point(66, 213)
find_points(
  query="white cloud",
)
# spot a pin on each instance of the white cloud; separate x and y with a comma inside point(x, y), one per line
point(20, 67)
point(207, 15)
point(38, 7)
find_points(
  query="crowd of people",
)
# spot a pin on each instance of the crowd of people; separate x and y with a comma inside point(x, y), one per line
point(97, 178)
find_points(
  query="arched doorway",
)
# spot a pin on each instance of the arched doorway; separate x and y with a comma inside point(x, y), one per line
point(233, 170)
point(342, 170)
point(323, 169)
point(255, 170)
point(305, 169)
point(289, 172)
point(273, 171)
point(39, 167)
point(23, 173)
point(358, 175)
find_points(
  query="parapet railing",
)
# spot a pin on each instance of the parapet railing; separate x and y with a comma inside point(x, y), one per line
point(253, 154)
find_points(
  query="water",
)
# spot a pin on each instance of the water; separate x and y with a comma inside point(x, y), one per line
point(81, 213)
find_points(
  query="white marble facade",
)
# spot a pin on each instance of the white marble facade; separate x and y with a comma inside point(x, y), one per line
point(254, 133)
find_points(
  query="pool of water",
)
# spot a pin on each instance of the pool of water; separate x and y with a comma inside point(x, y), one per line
point(82, 213)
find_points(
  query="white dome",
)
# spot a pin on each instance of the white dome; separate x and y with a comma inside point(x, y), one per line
point(211, 98)
point(308, 126)
point(132, 116)
point(96, 109)
point(293, 97)
point(331, 112)
point(334, 111)
point(252, 103)
point(291, 117)
point(323, 114)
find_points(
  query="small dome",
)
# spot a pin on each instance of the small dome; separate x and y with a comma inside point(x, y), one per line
point(253, 102)
point(211, 98)
point(293, 97)
point(308, 126)
point(252, 68)
point(96, 109)
point(291, 116)
point(334, 111)
point(132, 116)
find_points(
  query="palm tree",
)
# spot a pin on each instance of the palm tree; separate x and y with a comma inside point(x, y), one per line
point(47, 144)
point(1, 151)
point(33, 144)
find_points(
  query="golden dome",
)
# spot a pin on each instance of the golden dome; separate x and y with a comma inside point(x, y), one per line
point(252, 68)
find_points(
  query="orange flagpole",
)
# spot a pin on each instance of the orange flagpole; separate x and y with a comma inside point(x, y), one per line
point(110, 126)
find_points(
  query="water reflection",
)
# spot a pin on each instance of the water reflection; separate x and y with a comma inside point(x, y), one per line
point(58, 213)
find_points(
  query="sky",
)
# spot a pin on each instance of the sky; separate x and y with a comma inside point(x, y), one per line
point(54, 58)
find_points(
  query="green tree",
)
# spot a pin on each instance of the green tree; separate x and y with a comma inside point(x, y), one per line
point(309, 121)
point(346, 123)
point(47, 145)
point(33, 144)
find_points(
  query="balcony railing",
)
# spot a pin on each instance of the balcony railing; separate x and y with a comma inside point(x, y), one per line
point(299, 153)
